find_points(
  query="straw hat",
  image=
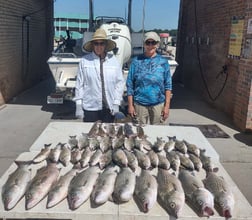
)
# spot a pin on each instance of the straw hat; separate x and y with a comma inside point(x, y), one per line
point(99, 34)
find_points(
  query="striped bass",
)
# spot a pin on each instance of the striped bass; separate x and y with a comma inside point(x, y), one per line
point(82, 186)
point(197, 196)
point(14, 188)
point(171, 195)
point(60, 189)
point(41, 184)
point(146, 191)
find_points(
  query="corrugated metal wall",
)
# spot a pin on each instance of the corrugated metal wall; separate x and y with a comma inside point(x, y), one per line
point(26, 41)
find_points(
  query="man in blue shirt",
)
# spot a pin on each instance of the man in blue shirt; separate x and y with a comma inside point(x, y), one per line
point(149, 84)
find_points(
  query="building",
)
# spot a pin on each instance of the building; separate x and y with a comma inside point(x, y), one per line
point(76, 24)
point(26, 40)
point(214, 52)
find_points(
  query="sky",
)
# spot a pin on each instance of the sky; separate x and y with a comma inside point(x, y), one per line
point(150, 14)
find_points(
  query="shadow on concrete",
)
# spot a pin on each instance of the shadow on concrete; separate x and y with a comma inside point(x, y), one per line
point(186, 99)
point(182, 99)
point(37, 95)
point(245, 138)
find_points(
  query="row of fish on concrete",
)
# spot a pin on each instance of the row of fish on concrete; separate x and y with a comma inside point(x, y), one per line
point(118, 162)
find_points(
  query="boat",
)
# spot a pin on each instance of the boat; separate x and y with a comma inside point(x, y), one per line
point(65, 59)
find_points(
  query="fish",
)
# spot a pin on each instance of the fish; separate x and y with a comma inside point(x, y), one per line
point(180, 146)
point(129, 143)
point(59, 190)
point(124, 186)
point(65, 155)
point(163, 162)
point(117, 142)
point(140, 132)
point(41, 184)
point(105, 159)
point(197, 196)
point(105, 143)
point(120, 158)
point(192, 148)
point(104, 187)
point(145, 192)
point(85, 157)
point(132, 160)
point(170, 144)
point(94, 130)
point(55, 153)
point(93, 143)
point(159, 144)
point(120, 132)
point(171, 195)
point(143, 145)
point(81, 187)
point(83, 140)
point(185, 161)
point(101, 131)
point(76, 154)
point(153, 158)
point(43, 154)
point(174, 160)
point(110, 130)
point(196, 161)
point(73, 142)
point(206, 161)
point(224, 201)
point(143, 159)
point(128, 131)
point(95, 158)
point(15, 187)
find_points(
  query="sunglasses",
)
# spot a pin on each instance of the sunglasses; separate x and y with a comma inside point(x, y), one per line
point(99, 43)
point(148, 42)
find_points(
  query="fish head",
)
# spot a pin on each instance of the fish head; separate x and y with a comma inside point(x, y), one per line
point(31, 199)
point(74, 199)
point(10, 196)
point(144, 201)
point(203, 202)
point(224, 204)
point(175, 204)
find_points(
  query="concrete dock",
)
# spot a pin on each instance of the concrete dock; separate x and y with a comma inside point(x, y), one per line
point(26, 117)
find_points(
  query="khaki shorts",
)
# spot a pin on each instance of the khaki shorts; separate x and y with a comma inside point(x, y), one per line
point(150, 114)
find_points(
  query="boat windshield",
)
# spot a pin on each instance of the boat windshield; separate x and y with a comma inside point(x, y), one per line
point(107, 20)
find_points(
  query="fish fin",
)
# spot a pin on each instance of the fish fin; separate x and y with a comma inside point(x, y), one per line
point(47, 145)
point(20, 163)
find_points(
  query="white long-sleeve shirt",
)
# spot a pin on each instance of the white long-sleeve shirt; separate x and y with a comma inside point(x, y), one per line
point(88, 89)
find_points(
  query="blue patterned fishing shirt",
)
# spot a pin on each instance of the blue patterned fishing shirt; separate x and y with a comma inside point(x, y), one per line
point(148, 79)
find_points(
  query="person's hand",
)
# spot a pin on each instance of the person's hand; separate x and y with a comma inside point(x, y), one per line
point(79, 113)
point(165, 113)
point(131, 111)
point(115, 109)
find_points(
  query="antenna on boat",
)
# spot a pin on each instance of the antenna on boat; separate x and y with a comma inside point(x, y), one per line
point(91, 16)
point(129, 14)
point(143, 20)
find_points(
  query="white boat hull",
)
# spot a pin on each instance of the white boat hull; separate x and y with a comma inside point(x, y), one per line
point(64, 71)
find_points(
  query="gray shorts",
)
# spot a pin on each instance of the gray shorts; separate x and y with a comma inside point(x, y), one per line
point(150, 114)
